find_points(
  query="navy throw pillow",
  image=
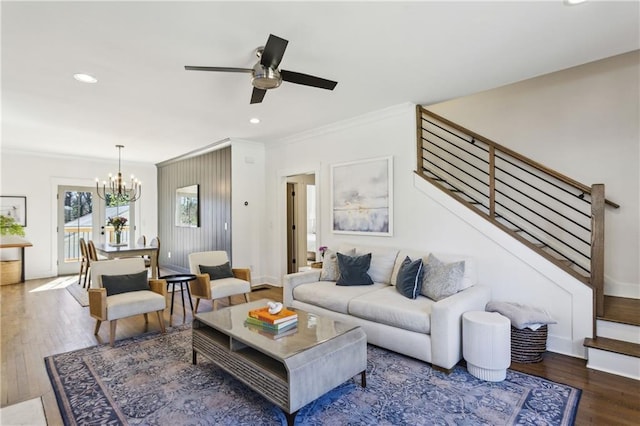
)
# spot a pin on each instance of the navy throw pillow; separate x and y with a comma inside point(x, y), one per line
point(217, 272)
point(116, 284)
point(353, 270)
point(409, 281)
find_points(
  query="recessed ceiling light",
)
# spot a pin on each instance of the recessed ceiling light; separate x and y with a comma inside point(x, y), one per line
point(254, 120)
point(85, 78)
point(573, 2)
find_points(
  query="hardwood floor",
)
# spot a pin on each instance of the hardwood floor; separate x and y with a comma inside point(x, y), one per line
point(36, 322)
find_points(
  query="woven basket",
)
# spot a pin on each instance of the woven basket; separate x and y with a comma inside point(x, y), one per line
point(527, 346)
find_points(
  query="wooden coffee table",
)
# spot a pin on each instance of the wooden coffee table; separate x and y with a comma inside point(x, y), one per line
point(290, 371)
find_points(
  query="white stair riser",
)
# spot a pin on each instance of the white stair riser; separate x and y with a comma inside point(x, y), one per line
point(617, 331)
point(614, 363)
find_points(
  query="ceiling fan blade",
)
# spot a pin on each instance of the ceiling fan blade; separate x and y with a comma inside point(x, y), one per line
point(273, 51)
point(257, 95)
point(307, 80)
point(223, 69)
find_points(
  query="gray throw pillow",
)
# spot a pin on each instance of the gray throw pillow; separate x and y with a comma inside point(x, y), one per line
point(353, 270)
point(330, 270)
point(217, 272)
point(116, 284)
point(441, 280)
point(409, 281)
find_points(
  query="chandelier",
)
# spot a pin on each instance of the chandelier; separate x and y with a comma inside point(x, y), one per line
point(116, 188)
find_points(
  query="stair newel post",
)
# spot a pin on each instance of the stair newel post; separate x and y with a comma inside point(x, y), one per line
point(597, 247)
point(492, 181)
point(419, 139)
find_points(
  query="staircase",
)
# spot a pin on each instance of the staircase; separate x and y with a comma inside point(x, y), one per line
point(616, 349)
point(557, 217)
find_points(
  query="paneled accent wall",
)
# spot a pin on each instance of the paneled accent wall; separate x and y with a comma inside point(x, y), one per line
point(212, 172)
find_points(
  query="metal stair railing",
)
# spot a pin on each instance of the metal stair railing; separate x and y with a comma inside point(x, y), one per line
point(554, 215)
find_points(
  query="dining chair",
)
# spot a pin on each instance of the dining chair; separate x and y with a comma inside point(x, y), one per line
point(120, 288)
point(155, 242)
point(216, 279)
point(84, 263)
point(142, 241)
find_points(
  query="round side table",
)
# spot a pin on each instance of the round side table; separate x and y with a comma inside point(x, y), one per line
point(486, 344)
point(183, 281)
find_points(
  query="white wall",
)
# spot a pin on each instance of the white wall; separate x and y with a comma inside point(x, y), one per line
point(248, 221)
point(583, 122)
point(38, 177)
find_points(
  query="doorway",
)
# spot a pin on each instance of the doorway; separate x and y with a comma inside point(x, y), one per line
point(301, 222)
point(78, 217)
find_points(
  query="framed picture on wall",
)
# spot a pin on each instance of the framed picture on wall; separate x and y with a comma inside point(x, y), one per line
point(15, 207)
point(362, 197)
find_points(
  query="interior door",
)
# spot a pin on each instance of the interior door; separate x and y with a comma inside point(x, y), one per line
point(292, 234)
point(78, 217)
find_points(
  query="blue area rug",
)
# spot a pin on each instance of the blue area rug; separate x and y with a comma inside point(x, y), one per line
point(149, 380)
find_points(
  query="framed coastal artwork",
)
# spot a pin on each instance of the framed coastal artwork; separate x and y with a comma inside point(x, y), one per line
point(362, 197)
point(15, 207)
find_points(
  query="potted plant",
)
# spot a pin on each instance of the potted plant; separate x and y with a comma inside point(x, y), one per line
point(9, 226)
point(10, 268)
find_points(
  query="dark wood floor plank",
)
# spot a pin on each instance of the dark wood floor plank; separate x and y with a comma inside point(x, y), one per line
point(36, 324)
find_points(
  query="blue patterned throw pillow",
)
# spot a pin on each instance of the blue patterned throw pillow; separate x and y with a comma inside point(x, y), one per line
point(441, 279)
point(353, 270)
point(409, 282)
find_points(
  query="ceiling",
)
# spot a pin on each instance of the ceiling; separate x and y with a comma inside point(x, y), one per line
point(381, 53)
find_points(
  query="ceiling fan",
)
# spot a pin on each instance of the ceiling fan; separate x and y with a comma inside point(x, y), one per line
point(266, 75)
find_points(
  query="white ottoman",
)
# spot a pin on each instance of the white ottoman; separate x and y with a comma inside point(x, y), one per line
point(486, 344)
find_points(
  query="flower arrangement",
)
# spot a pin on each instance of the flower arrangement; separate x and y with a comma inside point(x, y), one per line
point(322, 249)
point(118, 222)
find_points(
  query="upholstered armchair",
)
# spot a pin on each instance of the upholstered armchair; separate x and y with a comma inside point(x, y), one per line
point(216, 279)
point(120, 288)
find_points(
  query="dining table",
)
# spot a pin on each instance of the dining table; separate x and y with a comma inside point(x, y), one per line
point(131, 250)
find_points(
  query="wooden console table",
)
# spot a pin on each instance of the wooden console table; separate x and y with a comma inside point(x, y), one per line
point(21, 245)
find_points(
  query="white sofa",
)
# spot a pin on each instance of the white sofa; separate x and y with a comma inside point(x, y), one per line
point(420, 328)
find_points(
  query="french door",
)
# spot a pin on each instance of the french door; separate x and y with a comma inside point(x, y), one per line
point(80, 215)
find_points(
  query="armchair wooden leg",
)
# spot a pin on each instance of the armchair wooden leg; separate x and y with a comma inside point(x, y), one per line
point(98, 324)
point(197, 304)
point(146, 318)
point(161, 320)
point(112, 333)
point(246, 297)
point(215, 304)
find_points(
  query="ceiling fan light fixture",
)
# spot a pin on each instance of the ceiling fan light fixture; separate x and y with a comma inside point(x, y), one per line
point(265, 78)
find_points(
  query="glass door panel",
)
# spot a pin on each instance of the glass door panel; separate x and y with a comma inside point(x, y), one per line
point(77, 218)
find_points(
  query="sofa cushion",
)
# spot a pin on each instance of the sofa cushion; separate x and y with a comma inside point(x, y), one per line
point(469, 278)
point(409, 281)
point(387, 306)
point(217, 272)
point(353, 270)
point(382, 261)
point(441, 279)
point(325, 295)
point(330, 270)
point(116, 284)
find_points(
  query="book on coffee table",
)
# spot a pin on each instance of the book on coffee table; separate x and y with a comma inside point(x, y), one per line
point(274, 334)
point(263, 314)
point(271, 327)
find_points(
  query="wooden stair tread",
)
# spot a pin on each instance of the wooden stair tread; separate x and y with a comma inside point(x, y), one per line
point(613, 345)
point(622, 310)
